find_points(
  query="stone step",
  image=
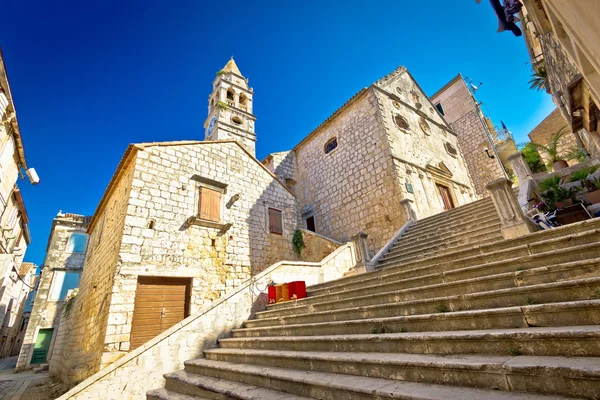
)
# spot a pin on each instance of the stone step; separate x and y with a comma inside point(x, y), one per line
point(164, 394)
point(478, 220)
point(425, 248)
point(452, 276)
point(546, 293)
point(575, 341)
point(187, 383)
point(458, 212)
point(383, 294)
point(496, 252)
point(554, 237)
point(582, 312)
point(572, 376)
point(427, 236)
point(328, 386)
point(565, 249)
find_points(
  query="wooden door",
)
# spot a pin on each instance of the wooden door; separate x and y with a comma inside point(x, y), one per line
point(42, 345)
point(159, 304)
point(444, 192)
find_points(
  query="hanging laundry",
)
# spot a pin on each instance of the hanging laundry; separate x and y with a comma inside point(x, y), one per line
point(512, 7)
point(503, 23)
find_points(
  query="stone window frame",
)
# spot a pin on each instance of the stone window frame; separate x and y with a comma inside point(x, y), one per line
point(268, 222)
point(203, 182)
point(329, 141)
point(451, 149)
point(396, 104)
point(306, 215)
point(233, 120)
point(405, 121)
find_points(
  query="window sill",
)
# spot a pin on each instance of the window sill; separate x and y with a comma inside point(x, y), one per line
point(208, 224)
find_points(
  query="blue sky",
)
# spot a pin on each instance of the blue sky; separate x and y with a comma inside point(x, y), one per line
point(89, 78)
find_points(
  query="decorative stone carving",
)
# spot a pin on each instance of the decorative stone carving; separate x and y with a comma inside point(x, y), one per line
point(519, 166)
point(514, 223)
point(409, 211)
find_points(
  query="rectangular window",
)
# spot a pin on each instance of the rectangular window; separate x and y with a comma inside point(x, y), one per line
point(440, 108)
point(209, 205)
point(61, 283)
point(77, 243)
point(275, 221)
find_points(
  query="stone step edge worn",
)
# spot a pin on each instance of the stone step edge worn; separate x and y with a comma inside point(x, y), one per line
point(536, 237)
point(164, 394)
point(238, 390)
point(368, 387)
point(580, 366)
point(529, 289)
point(531, 333)
point(518, 261)
point(471, 314)
point(566, 242)
point(487, 218)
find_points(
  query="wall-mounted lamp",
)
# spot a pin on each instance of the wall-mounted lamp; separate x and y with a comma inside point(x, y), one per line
point(487, 151)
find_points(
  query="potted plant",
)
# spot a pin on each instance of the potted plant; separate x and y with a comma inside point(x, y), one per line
point(554, 194)
point(556, 161)
point(582, 176)
point(593, 194)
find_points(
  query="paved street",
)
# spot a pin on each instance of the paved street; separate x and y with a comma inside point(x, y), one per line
point(12, 386)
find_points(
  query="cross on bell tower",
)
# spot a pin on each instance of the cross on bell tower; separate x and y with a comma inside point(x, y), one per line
point(230, 108)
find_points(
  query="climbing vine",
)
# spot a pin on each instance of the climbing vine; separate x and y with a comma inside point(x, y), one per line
point(298, 241)
point(222, 105)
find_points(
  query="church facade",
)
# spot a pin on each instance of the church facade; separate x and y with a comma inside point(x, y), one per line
point(183, 222)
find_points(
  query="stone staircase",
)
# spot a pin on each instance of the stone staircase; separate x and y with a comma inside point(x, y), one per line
point(476, 223)
point(477, 318)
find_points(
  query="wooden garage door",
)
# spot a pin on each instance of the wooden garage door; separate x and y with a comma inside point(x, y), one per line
point(159, 304)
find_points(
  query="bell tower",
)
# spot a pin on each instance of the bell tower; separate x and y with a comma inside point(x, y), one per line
point(230, 109)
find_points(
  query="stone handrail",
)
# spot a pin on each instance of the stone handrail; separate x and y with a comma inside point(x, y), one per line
point(143, 368)
point(390, 243)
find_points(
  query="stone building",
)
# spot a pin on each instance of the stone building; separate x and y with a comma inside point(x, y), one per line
point(16, 287)
point(384, 157)
point(563, 39)
point(552, 124)
point(183, 222)
point(14, 230)
point(485, 151)
point(65, 256)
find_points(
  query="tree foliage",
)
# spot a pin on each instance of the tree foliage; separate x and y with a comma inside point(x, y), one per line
point(532, 157)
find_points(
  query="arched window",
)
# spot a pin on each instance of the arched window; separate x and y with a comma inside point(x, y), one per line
point(230, 94)
point(243, 101)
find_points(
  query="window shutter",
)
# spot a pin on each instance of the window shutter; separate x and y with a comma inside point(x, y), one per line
point(210, 205)
point(275, 221)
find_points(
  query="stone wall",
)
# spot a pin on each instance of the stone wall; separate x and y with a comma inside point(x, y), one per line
point(82, 354)
point(551, 125)
point(159, 236)
point(463, 116)
point(317, 246)
point(352, 188)
point(143, 369)
point(45, 313)
point(424, 151)
point(283, 165)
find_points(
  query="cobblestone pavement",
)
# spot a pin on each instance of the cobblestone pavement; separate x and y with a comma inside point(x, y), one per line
point(12, 386)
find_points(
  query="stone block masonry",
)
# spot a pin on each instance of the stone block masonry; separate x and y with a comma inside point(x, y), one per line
point(145, 227)
point(142, 369)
